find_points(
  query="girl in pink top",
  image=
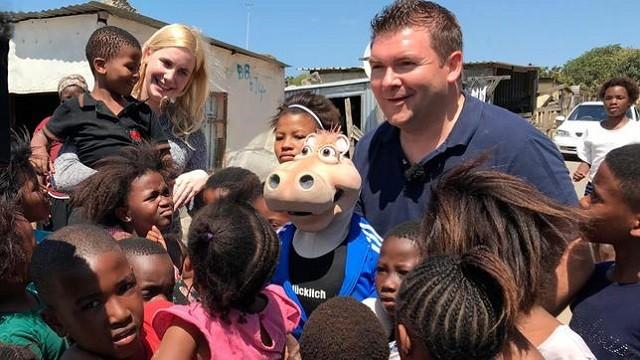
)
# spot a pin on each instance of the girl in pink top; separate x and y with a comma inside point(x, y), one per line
point(233, 253)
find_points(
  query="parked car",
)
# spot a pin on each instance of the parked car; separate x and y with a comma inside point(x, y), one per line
point(585, 115)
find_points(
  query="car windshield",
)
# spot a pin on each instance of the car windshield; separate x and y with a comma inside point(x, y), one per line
point(592, 113)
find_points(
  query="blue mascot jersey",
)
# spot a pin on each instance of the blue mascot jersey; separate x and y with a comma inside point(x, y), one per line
point(363, 250)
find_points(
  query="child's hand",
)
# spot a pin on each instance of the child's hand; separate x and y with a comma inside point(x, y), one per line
point(292, 349)
point(581, 172)
point(577, 176)
point(155, 235)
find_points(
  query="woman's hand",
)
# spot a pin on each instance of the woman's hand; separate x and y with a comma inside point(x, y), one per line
point(187, 186)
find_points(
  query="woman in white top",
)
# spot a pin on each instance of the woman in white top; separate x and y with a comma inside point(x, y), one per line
point(618, 94)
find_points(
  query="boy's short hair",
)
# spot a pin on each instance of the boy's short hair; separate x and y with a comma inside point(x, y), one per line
point(106, 42)
point(12, 252)
point(137, 246)
point(407, 230)
point(66, 250)
point(16, 352)
point(241, 184)
point(343, 328)
point(624, 163)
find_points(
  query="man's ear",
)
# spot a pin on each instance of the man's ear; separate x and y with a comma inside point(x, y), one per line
point(404, 342)
point(99, 64)
point(49, 317)
point(454, 64)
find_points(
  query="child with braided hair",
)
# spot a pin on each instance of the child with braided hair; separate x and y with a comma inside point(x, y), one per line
point(532, 235)
point(233, 252)
point(457, 308)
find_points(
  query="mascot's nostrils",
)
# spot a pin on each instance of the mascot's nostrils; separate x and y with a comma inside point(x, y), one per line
point(318, 185)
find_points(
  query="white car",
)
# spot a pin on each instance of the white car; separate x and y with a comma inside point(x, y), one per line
point(585, 115)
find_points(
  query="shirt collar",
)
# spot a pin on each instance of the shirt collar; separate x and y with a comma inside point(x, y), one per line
point(467, 123)
point(90, 101)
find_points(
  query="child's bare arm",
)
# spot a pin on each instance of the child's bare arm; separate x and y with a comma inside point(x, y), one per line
point(182, 341)
point(39, 152)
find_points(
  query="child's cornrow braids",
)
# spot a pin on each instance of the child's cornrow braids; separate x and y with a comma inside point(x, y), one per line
point(472, 207)
point(459, 307)
point(233, 252)
point(267, 252)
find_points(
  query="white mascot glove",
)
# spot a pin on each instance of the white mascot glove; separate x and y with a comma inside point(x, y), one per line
point(187, 186)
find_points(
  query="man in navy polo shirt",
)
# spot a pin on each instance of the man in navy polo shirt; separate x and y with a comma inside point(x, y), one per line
point(432, 126)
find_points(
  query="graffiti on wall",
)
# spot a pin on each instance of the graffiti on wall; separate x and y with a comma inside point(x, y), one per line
point(255, 85)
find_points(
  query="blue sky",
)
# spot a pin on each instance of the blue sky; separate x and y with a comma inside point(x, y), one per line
point(305, 33)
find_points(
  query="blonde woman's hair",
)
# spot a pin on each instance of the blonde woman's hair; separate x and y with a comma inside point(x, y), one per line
point(186, 114)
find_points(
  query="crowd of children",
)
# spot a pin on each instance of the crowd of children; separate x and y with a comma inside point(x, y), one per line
point(481, 276)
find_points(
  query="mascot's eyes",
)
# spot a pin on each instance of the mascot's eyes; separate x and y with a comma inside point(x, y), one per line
point(306, 150)
point(329, 153)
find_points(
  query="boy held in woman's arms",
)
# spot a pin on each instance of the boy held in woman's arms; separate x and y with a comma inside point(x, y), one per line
point(102, 122)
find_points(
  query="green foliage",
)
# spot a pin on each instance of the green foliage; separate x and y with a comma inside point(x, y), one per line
point(630, 66)
point(553, 72)
point(597, 65)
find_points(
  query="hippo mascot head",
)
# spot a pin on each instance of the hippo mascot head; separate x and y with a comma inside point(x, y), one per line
point(318, 186)
point(327, 250)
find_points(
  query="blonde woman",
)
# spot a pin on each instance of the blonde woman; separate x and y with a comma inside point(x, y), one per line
point(174, 83)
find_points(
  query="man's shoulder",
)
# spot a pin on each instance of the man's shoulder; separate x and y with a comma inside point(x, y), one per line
point(500, 118)
point(497, 125)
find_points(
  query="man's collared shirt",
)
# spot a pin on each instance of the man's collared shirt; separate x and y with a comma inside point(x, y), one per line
point(509, 143)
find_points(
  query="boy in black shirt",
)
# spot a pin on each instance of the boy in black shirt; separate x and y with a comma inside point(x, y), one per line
point(606, 313)
point(102, 122)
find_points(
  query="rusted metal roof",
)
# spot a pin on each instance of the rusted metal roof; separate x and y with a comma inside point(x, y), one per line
point(332, 68)
point(92, 7)
point(503, 65)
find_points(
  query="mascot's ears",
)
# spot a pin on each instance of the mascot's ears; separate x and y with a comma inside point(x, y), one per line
point(341, 145)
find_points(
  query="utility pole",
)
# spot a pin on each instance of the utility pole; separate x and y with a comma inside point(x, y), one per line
point(246, 42)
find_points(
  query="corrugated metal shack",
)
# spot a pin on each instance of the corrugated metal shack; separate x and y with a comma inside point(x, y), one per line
point(516, 93)
point(349, 96)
